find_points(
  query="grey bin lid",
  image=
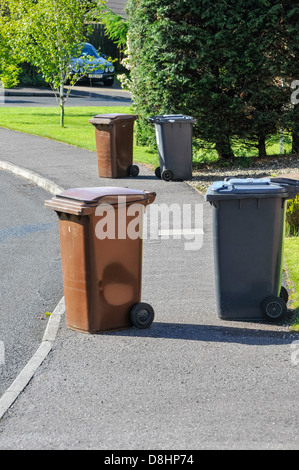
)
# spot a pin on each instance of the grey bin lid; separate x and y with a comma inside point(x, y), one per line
point(245, 189)
point(171, 118)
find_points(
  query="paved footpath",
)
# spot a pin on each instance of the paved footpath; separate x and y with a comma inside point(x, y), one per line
point(189, 382)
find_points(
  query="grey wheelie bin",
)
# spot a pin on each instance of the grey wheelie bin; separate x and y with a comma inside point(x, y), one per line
point(174, 142)
point(248, 233)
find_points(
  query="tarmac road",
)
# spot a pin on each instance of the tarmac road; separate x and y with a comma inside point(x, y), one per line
point(30, 282)
point(80, 96)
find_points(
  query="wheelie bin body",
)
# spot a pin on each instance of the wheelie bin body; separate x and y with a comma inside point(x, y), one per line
point(101, 263)
point(248, 234)
point(174, 142)
point(114, 144)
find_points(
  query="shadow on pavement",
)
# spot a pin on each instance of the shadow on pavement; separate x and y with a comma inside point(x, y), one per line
point(212, 333)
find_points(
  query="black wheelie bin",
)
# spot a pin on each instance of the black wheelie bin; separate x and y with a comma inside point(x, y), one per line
point(174, 142)
point(248, 234)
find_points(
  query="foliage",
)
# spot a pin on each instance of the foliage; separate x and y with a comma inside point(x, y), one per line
point(116, 27)
point(289, 56)
point(220, 62)
point(291, 256)
point(30, 76)
point(49, 32)
point(292, 217)
point(9, 74)
point(9, 69)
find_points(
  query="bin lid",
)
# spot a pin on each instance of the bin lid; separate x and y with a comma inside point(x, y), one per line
point(179, 118)
point(113, 117)
point(245, 189)
point(290, 184)
point(82, 201)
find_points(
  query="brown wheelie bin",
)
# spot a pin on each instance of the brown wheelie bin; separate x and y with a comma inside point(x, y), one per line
point(100, 232)
point(114, 144)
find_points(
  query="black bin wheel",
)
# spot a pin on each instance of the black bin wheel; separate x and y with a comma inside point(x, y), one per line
point(167, 175)
point(274, 308)
point(284, 295)
point(158, 172)
point(142, 315)
point(134, 170)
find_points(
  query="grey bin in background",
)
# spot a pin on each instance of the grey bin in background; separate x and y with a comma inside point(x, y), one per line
point(174, 142)
point(249, 226)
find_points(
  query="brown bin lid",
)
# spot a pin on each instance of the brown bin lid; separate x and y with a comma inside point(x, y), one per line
point(107, 118)
point(81, 201)
point(91, 195)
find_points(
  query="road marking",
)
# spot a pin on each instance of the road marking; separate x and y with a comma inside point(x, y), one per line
point(180, 232)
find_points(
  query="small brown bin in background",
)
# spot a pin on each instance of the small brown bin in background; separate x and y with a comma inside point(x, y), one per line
point(102, 274)
point(114, 144)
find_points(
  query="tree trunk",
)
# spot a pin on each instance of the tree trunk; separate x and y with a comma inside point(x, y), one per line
point(61, 104)
point(61, 112)
point(224, 149)
point(295, 142)
point(295, 130)
point(262, 146)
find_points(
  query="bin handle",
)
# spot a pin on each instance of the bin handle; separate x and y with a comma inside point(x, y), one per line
point(150, 196)
point(291, 185)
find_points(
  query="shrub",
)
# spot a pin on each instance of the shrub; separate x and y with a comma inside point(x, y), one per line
point(9, 75)
point(220, 62)
point(292, 217)
point(30, 76)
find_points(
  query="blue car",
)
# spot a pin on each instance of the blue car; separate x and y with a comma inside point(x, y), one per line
point(89, 64)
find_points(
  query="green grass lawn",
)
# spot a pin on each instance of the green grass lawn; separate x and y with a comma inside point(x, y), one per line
point(45, 122)
point(291, 256)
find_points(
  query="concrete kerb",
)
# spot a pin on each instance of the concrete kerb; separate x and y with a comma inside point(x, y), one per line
point(12, 393)
point(18, 385)
point(31, 176)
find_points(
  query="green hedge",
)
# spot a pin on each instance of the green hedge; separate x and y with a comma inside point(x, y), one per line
point(221, 62)
point(292, 226)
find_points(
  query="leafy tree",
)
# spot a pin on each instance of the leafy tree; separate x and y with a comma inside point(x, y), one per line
point(289, 57)
point(49, 32)
point(9, 60)
point(116, 26)
point(257, 72)
point(217, 61)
